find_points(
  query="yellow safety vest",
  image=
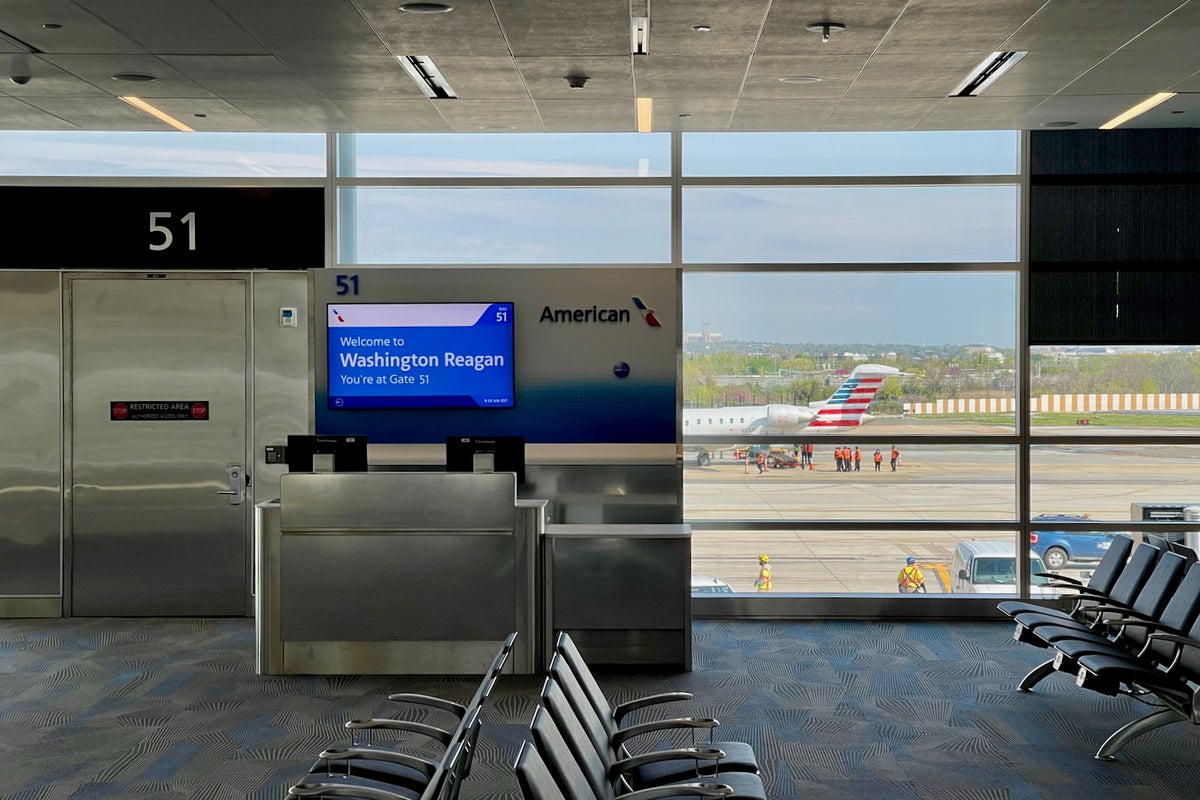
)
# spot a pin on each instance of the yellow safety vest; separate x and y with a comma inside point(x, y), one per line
point(764, 578)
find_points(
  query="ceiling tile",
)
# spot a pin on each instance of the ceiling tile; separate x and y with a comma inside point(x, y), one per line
point(604, 114)
point(932, 74)
point(236, 77)
point(473, 116)
point(836, 74)
point(482, 77)
point(471, 29)
point(565, 27)
point(964, 25)
point(688, 76)
point(608, 76)
point(18, 116)
point(382, 115)
point(735, 27)
point(196, 26)
point(287, 27)
point(354, 76)
point(877, 115)
point(99, 69)
point(1066, 25)
point(795, 115)
point(866, 21)
point(311, 116)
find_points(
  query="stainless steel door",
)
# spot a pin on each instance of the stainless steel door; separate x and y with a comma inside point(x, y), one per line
point(156, 520)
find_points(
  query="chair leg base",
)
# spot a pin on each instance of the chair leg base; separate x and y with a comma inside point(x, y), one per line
point(1127, 733)
point(1035, 676)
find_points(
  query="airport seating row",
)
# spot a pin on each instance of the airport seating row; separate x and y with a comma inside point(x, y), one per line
point(580, 748)
point(369, 770)
point(1140, 638)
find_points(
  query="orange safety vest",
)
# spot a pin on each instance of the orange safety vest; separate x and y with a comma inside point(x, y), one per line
point(857, 455)
point(878, 457)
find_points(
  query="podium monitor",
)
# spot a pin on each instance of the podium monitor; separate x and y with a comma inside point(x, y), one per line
point(486, 454)
point(321, 453)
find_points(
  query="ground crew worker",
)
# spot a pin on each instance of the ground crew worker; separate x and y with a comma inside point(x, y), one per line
point(761, 460)
point(878, 460)
point(808, 451)
point(895, 457)
point(763, 582)
point(857, 459)
point(911, 579)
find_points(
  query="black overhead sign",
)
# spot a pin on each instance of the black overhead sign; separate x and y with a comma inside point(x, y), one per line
point(119, 228)
point(157, 410)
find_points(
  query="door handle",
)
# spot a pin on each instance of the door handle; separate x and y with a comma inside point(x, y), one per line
point(234, 492)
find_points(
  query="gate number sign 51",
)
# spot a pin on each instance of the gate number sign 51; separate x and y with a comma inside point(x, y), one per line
point(158, 228)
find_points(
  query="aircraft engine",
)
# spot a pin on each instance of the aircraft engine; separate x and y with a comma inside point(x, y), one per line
point(783, 418)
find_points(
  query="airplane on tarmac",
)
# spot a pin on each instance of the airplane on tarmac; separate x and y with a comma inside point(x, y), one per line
point(847, 408)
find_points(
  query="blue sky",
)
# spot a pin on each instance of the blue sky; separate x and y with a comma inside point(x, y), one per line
point(923, 308)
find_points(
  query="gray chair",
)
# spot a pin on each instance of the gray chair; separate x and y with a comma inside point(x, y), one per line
point(577, 772)
point(564, 697)
point(1153, 597)
point(1098, 586)
point(536, 782)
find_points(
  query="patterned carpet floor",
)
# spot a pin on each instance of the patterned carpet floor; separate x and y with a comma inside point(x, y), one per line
point(171, 708)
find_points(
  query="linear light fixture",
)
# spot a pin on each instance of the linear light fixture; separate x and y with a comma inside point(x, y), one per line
point(157, 113)
point(990, 70)
point(639, 35)
point(427, 77)
point(1138, 110)
point(645, 114)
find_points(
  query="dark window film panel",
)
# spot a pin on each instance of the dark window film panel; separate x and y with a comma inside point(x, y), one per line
point(1131, 151)
point(1084, 305)
point(1139, 223)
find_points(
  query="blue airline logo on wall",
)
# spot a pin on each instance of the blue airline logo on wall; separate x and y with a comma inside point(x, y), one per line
point(606, 316)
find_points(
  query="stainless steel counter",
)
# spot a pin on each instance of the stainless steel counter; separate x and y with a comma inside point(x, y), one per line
point(396, 573)
point(621, 591)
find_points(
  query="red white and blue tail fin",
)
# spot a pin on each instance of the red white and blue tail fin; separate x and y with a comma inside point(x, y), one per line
point(849, 403)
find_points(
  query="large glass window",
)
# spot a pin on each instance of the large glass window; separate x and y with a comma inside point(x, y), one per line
point(511, 225)
point(614, 155)
point(850, 224)
point(866, 561)
point(162, 154)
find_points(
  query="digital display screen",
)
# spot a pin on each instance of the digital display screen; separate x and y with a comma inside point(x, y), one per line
point(420, 355)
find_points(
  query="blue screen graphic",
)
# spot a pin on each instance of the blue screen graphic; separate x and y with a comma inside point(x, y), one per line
point(420, 355)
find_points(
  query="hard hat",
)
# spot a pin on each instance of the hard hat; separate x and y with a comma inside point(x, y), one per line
point(910, 560)
point(764, 558)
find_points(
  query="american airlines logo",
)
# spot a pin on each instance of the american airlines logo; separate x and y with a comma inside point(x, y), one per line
point(595, 314)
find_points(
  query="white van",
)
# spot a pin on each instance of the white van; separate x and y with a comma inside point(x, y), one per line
point(990, 567)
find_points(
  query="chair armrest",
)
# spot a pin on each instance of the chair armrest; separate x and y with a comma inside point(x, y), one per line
point(400, 725)
point(457, 709)
point(1175, 638)
point(314, 789)
point(681, 789)
point(619, 768)
point(1065, 578)
point(621, 710)
point(424, 766)
point(1136, 622)
point(625, 734)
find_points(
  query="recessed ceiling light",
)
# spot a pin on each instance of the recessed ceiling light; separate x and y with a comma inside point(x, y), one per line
point(51, 26)
point(497, 127)
point(133, 77)
point(799, 79)
point(702, 28)
point(685, 116)
point(426, 8)
point(1058, 123)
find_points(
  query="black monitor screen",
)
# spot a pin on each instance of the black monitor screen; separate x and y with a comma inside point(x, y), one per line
point(327, 453)
point(486, 454)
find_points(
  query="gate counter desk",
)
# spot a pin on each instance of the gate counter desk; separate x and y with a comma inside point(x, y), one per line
point(396, 573)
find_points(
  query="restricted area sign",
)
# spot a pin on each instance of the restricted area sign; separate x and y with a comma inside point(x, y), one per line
point(157, 410)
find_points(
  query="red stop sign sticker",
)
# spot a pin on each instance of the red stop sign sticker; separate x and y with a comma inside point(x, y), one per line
point(119, 410)
point(199, 410)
